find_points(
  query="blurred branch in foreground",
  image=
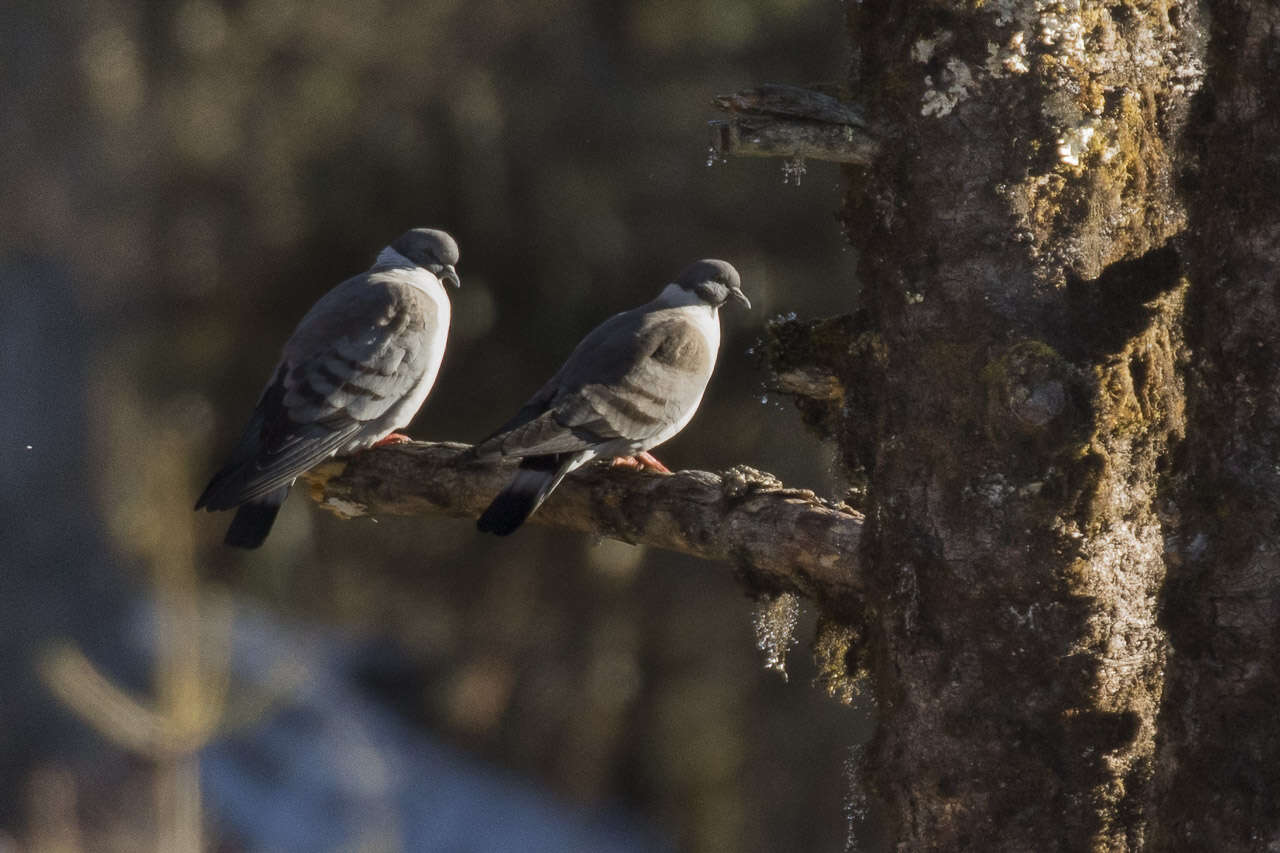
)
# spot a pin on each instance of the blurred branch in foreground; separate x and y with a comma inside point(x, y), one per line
point(780, 539)
point(192, 644)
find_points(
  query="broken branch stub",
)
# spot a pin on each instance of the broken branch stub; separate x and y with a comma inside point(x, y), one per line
point(776, 120)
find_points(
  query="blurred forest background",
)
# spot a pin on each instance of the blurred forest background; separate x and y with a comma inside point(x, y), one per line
point(182, 180)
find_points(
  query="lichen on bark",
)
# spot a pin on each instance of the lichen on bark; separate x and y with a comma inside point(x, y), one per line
point(1015, 272)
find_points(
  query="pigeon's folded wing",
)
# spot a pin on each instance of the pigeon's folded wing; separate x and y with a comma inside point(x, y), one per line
point(633, 378)
point(359, 351)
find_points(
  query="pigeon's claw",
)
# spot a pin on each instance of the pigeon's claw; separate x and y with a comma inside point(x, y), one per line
point(642, 461)
point(648, 460)
point(393, 438)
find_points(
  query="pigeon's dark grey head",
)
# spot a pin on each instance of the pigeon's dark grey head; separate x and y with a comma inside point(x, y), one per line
point(431, 249)
point(715, 282)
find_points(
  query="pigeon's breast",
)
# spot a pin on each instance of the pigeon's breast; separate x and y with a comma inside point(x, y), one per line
point(679, 369)
point(425, 318)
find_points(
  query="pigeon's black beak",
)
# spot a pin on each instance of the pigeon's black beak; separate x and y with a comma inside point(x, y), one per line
point(449, 274)
point(741, 297)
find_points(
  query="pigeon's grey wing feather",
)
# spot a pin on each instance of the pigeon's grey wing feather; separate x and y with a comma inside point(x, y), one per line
point(633, 378)
point(358, 352)
point(532, 417)
point(535, 425)
point(269, 450)
point(541, 436)
point(618, 332)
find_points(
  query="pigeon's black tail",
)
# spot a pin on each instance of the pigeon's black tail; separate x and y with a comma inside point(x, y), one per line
point(253, 520)
point(535, 479)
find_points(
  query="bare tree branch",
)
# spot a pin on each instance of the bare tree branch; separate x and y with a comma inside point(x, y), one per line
point(781, 539)
point(776, 120)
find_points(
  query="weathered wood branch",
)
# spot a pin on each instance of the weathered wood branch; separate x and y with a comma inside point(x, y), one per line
point(776, 120)
point(780, 539)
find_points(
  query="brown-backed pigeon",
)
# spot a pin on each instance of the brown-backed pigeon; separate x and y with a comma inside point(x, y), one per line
point(631, 384)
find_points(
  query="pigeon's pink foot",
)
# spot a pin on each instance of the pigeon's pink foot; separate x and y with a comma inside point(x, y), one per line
point(394, 438)
point(640, 462)
point(648, 460)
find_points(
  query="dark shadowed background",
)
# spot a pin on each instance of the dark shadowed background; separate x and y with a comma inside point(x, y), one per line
point(182, 181)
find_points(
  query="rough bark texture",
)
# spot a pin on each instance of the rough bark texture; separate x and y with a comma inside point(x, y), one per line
point(1217, 783)
point(1025, 314)
point(780, 539)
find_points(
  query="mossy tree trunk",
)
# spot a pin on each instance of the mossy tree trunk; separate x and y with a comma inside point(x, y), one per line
point(1217, 779)
point(1062, 387)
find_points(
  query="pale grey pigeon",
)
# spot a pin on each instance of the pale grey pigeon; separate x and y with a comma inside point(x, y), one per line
point(630, 385)
point(358, 366)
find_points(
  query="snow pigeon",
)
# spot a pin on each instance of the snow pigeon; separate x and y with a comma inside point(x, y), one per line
point(358, 366)
point(630, 385)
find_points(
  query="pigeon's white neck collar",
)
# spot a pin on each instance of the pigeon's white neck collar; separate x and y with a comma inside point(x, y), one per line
point(389, 257)
point(675, 296)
